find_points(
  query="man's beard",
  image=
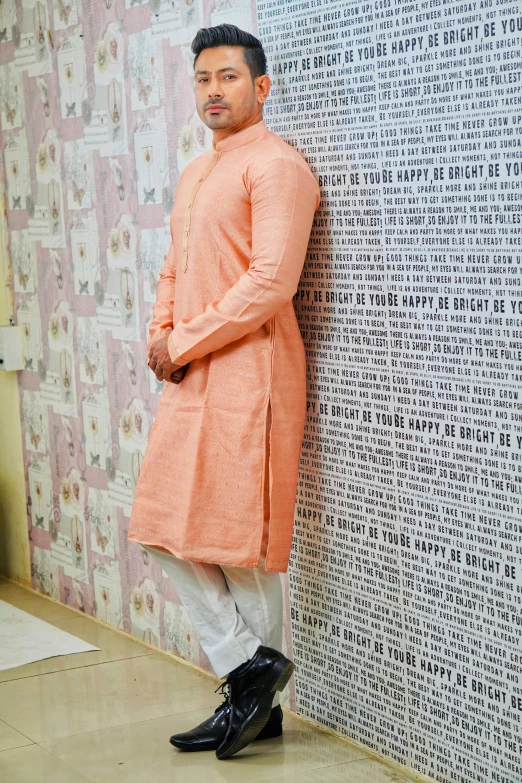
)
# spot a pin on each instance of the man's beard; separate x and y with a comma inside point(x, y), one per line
point(217, 121)
point(228, 119)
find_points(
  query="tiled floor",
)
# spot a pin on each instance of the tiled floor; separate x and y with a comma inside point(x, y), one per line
point(107, 717)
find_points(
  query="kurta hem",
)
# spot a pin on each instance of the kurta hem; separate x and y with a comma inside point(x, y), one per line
point(276, 567)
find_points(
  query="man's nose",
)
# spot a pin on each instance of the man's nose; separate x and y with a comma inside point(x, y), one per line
point(215, 90)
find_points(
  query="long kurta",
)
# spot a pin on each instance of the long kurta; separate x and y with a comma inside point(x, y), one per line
point(240, 227)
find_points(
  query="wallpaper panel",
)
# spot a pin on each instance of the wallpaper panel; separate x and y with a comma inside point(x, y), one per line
point(98, 121)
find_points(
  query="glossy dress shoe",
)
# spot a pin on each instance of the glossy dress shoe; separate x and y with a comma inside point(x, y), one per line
point(252, 690)
point(210, 734)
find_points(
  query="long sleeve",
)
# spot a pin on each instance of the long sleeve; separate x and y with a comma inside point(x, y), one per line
point(162, 313)
point(284, 197)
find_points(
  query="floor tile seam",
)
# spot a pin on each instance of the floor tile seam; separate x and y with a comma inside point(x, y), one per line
point(16, 747)
point(66, 737)
point(77, 771)
point(18, 732)
point(66, 671)
point(70, 668)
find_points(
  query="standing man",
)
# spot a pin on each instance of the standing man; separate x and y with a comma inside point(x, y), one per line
point(215, 498)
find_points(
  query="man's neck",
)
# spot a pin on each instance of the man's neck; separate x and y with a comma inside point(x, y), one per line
point(222, 133)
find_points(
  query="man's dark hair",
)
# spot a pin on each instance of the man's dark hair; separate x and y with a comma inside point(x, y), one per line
point(230, 35)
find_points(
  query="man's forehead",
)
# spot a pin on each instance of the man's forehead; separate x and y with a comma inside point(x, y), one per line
point(218, 58)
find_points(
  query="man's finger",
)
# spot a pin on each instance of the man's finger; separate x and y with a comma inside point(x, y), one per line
point(174, 377)
point(178, 375)
point(159, 373)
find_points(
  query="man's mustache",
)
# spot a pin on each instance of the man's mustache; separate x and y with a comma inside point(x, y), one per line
point(216, 103)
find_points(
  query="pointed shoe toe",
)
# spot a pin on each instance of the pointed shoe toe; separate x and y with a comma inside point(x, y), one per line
point(208, 735)
point(190, 741)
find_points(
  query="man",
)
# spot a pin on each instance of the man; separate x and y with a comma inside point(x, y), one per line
point(215, 498)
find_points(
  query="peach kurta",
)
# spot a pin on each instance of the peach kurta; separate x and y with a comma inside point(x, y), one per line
point(240, 227)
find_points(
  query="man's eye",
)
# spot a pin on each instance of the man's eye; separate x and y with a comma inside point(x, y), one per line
point(230, 76)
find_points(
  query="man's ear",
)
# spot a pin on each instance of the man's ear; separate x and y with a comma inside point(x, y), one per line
point(263, 84)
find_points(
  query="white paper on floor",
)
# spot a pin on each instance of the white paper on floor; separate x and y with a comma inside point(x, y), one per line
point(25, 639)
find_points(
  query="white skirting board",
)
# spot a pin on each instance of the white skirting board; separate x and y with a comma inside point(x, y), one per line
point(25, 639)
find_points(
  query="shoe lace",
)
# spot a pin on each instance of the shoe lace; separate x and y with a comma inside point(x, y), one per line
point(225, 689)
point(226, 686)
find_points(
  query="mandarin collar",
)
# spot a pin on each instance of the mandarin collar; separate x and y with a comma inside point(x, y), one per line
point(245, 136)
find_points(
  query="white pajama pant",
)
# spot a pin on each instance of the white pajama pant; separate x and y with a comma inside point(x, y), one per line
point(233, 610)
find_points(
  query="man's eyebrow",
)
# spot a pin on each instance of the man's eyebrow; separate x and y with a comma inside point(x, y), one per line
point(228, 68)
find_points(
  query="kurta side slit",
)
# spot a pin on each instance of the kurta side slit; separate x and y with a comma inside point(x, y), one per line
point(267, 494)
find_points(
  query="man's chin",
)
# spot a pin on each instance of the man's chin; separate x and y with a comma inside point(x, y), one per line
point(217, 121)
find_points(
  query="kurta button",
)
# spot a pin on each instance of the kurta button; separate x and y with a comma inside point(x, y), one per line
point(200, 180)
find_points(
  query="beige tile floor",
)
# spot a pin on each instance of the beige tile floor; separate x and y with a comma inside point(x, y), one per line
point(107, 716)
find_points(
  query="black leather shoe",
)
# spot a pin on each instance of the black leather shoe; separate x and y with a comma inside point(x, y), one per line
point(207, 735)
point(252, 689)
point(210, 734)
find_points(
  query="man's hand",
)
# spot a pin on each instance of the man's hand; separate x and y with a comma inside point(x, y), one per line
point(161, 364)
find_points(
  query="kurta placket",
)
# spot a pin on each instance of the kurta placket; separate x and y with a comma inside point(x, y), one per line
point(188, 211)
point(240, 232)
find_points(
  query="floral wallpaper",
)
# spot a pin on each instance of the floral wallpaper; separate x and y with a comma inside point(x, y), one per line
point(98, 121)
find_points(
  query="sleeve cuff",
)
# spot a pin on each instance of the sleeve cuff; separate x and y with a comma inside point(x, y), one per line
point(174, 356)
